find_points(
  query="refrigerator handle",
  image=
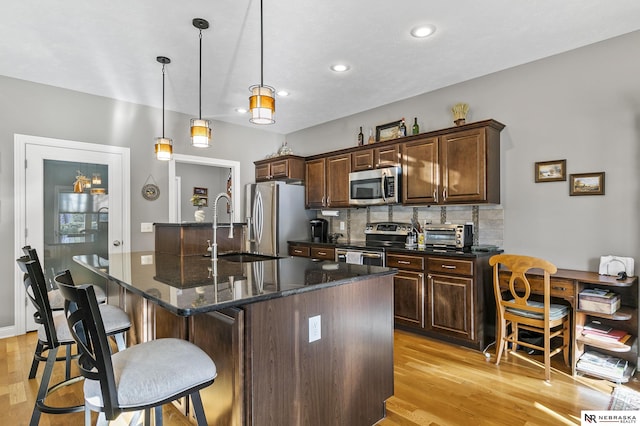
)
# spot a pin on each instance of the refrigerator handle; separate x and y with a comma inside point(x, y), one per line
point(258, 217)
point(275, 241)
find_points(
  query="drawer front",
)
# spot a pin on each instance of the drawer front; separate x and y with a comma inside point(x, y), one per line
point(404, 261)
point(324, 253)
point(302, 251)
point(560, 287)
point(446, 265)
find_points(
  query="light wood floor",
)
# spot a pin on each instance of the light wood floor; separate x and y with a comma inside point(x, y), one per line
point(435, 384)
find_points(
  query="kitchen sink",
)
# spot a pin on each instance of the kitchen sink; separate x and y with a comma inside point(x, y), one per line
point(245, 257)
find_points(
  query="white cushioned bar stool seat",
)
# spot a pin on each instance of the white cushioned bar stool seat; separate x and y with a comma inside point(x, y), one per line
point(149, 373)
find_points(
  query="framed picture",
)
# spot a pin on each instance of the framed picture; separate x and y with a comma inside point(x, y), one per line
point(200, 191)
point(586, 184)
point(551, 171)
point(388, 131)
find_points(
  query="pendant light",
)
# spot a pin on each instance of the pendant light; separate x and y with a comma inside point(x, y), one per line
point(200, 129)
point(262, 102)
point(164, 146)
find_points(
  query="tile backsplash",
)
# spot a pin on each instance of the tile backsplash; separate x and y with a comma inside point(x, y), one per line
point(488, 220)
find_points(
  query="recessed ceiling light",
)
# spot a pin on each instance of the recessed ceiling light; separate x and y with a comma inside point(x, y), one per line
point(241, 110)
point(282, 93)
point(339, 67)
point(423, 31)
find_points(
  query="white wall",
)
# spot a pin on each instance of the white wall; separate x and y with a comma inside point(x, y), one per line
point(582, 106)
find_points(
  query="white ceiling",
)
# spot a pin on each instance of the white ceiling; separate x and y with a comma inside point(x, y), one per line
point(109, 48)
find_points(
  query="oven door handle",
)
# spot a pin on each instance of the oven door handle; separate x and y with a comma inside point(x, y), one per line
point(368, 254)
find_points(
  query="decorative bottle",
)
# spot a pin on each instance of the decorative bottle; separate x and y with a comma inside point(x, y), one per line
point(402, 131)
point(371, 140)
point(360, 137)
point(416, 128)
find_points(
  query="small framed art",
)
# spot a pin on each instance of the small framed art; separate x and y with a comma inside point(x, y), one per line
point(551, 171)
point(586, 184)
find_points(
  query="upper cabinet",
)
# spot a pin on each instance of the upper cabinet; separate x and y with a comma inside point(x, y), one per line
point(327, 181)
point(375, 158)
point(458, 167)
point(288, 168)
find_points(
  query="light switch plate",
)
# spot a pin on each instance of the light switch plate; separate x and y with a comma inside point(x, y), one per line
point(146, 227)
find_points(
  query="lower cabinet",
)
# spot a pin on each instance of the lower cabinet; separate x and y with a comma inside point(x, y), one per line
point(318, 252)
point(445, 297)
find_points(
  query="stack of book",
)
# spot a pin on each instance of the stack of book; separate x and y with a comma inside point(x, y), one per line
point(595, 330)
point(607, 366)
point(598, 300)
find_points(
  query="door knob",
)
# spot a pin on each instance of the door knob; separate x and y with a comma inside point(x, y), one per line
point(117, 243)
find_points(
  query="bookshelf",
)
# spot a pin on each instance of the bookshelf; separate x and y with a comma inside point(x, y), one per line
point(617, 338)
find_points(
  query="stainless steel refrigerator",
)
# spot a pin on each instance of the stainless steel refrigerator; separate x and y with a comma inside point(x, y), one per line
point(275, 214)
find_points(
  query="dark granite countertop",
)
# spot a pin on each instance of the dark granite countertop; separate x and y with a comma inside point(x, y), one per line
point(187, 285)
point(426, 251)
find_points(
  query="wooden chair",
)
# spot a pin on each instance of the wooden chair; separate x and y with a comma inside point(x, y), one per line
point(516, 309)
point(53, 333)
point(141, 377)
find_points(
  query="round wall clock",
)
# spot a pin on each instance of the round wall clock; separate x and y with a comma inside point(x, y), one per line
point(150, 192)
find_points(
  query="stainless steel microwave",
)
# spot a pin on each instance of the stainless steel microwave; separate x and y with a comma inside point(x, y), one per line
point(375, 187)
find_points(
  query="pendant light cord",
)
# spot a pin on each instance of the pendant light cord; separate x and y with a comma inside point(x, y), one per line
point(162, 101)
point(200, 81)
point(261, 49)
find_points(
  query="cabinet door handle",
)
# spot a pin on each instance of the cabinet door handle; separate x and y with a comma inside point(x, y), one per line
point(444, 194)
point(298, 251)
point(435, 195)
point(447, 267)
point(404, 262)
point(322, 253)
point(559, 288)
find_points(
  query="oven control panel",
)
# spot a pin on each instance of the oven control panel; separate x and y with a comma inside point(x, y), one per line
point(388, 228)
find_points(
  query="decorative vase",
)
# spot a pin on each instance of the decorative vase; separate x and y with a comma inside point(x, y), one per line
point(199, 215)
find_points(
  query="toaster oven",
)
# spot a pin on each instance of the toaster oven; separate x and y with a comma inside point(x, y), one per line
point(452, 236)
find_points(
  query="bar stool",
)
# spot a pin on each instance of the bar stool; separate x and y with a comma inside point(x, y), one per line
point(54, 332)
point(148, 375)
point(56, 301)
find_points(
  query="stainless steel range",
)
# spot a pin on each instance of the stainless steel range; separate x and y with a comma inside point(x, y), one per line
point(378, 236)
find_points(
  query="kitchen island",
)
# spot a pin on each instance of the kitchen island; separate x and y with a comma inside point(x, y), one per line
point(296, 342)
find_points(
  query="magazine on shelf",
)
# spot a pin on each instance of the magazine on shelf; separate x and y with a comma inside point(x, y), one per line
point(598, 363)
point(597, 292)
point(597, 327)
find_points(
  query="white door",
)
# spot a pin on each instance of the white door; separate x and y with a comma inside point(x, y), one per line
point(65, 223)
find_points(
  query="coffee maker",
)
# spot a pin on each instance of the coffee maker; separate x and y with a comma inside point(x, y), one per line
point(319, 230)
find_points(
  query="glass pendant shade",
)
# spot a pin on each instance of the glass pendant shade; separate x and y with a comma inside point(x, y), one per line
point(200, 133)
point(96, 179)
point(164, 149)
point(262, 104)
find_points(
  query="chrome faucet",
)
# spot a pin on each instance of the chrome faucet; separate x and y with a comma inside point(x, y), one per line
point(214, 246)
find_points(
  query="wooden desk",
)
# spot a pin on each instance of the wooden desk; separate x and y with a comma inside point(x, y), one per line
point(567, 284)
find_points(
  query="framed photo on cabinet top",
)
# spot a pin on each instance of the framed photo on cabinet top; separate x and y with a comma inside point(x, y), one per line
point(551, 171)
point(387, 131)
point(586, 184)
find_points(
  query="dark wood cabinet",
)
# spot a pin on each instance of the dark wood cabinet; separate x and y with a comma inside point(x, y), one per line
point(375, 158)
point(457, 167)
point(450, 295)
point(362, 160)
point(290, 168)
point(338, 169)
point(420, 179)
point(315, 183)
point(444, 297)
point(327, 181)
point(299, 250)
point(387, 156)
point(320, 252)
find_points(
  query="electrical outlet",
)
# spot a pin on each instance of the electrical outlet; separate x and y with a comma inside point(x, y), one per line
point(314, 328)
point(146, 227)
point(341, 225)
point(146, 259)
